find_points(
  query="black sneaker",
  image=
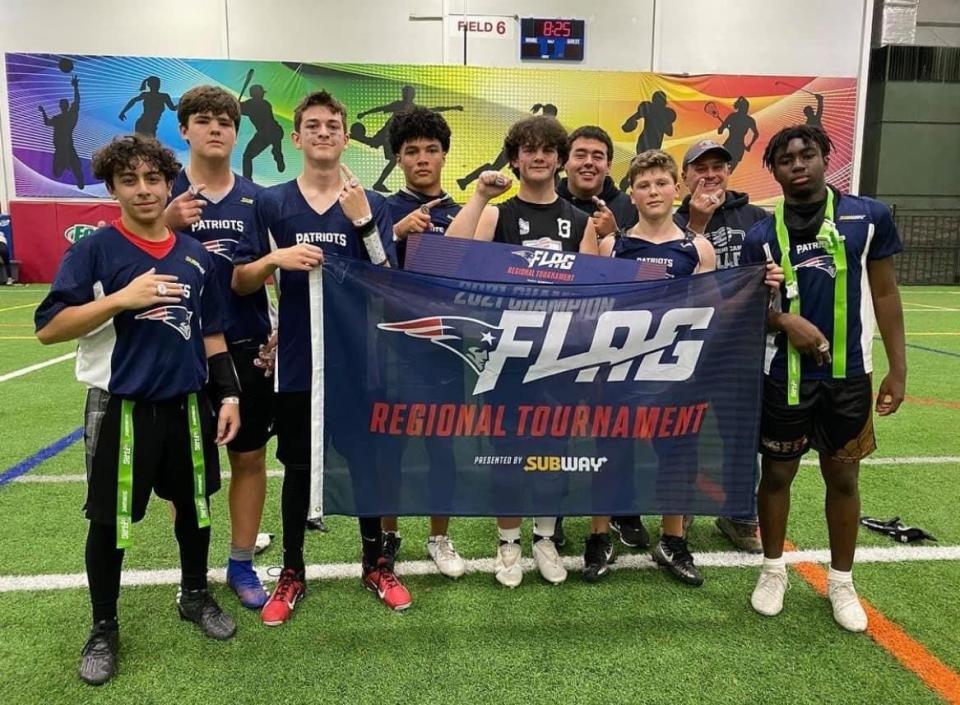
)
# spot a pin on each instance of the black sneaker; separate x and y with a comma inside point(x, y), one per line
point(559, 537)
point(199, 607)
point(597, 557)
point(391, 547)
point(672, 553)
point(99, 656)
point(631, 531)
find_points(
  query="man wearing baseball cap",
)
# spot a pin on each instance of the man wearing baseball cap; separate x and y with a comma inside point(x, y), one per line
point(723, 217)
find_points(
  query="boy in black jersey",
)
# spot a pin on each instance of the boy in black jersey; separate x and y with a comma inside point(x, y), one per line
point(536, 217)
point(145, 307)
point(219, 208)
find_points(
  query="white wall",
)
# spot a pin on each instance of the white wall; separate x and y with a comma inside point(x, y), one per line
point(812, 37)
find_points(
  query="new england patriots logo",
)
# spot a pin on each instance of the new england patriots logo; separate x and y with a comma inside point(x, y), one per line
point(177, 317)
point(531, 257)
point(467, 338)
point(223, 247)
point(824, 263)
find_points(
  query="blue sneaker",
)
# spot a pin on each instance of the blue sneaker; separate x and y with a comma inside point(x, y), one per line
point(243, 580)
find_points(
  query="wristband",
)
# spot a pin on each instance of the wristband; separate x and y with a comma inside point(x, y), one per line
point(360, 222)
point(230, 400)
point(223, 377)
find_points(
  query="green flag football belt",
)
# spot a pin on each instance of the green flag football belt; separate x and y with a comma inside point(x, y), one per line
point(832, 242)
point(125, 469)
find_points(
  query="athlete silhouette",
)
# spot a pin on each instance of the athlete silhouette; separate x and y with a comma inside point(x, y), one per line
point(501, 160)
point(814, 116)
point(738, 124)
point(64, 152)
point(658, 121)
point(381, 139)
point(154, 103)
point(267, 131)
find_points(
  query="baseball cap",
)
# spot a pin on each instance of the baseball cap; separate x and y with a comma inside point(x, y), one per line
point(702, 147)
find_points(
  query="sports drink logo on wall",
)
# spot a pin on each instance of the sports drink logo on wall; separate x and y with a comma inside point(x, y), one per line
point(62, 108)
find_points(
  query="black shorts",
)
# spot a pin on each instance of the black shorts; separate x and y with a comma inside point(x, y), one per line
point(161, 453)
point(257, 400)
point(834, 417)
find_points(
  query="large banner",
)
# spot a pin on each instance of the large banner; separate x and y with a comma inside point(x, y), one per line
point(62, 108)
point(444, 397)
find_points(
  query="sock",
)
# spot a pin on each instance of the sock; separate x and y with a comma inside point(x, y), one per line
point(194, 545)
point(371, 538)
point(509, 535)
point(241, 555)
point(294, 498)
point(543, 527)
point(839, 576)
point(104, 562)
point(777, 565)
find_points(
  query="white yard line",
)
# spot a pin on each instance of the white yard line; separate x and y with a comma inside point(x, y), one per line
point(30, 478)
point(39, 366)
point(339, 571)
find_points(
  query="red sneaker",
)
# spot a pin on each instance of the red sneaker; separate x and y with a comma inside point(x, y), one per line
point(383, 581)
point(288, 592)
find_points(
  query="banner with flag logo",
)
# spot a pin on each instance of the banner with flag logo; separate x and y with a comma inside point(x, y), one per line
point(466, 398)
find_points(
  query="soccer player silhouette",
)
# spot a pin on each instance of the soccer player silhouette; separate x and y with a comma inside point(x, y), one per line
point(738, 124)
point(501, 159)
point(658, 121)
point(381, 139)
point(154, 103)
point(63, 124)
point(267, 131)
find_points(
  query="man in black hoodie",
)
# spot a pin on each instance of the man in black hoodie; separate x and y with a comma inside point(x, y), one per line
point(724, 218)
point(588, 185)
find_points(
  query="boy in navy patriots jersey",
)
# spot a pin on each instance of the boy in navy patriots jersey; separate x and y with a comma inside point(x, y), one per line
point(421, 139)
point(664, 252)
point(325, 209)
point(218, 207)
point(145, 305)
point(837, 255)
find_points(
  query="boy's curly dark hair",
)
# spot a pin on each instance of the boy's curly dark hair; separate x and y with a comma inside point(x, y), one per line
point(418, 123)
point(128, 152)
point(536, 131)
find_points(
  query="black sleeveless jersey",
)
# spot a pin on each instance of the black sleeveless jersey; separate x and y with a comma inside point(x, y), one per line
point(552, 226)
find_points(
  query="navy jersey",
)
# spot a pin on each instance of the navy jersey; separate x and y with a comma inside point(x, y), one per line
point(288, 220)
point(659, 260)
point(550, 226)
point(869, 234)
point(247, 318)
point(406, 201)
point(147, 354)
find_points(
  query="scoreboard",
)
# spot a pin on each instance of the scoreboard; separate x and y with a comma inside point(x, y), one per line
point(551, 39)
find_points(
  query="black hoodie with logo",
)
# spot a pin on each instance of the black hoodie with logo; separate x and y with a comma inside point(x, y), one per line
point(728, 225)
point(617, 201)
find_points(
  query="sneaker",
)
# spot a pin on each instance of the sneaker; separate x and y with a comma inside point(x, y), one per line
point(99, 656)
point(744, 535)
point(559, 536)
point(243, 580)
point(847, 609)
point(631, 531)
point(548, 560)
point(443, 553)
point(384, 582)
point(199, 607)
point(506, 566)
point(597, 557)
point(391, 547)
point(289, 591)
point(672, 553)
point(767, 597)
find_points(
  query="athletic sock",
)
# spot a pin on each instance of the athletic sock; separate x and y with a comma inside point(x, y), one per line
point(775, 564)
point(509, 535)
point(241, 555)
point(543, 527)
point(194, 545)
point(839, 576)
point(294, 498)
point(104, 562)
point(371, 538)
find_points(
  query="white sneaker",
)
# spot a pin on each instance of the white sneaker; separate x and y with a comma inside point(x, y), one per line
point(847, 609)
point(443, 553)
point(506, 566)
point(767, 597)
point(548, 561)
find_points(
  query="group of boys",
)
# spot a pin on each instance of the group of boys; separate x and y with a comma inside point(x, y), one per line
point(174, 326)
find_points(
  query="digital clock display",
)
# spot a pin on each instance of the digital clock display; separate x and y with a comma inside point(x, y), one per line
point(551, 39)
